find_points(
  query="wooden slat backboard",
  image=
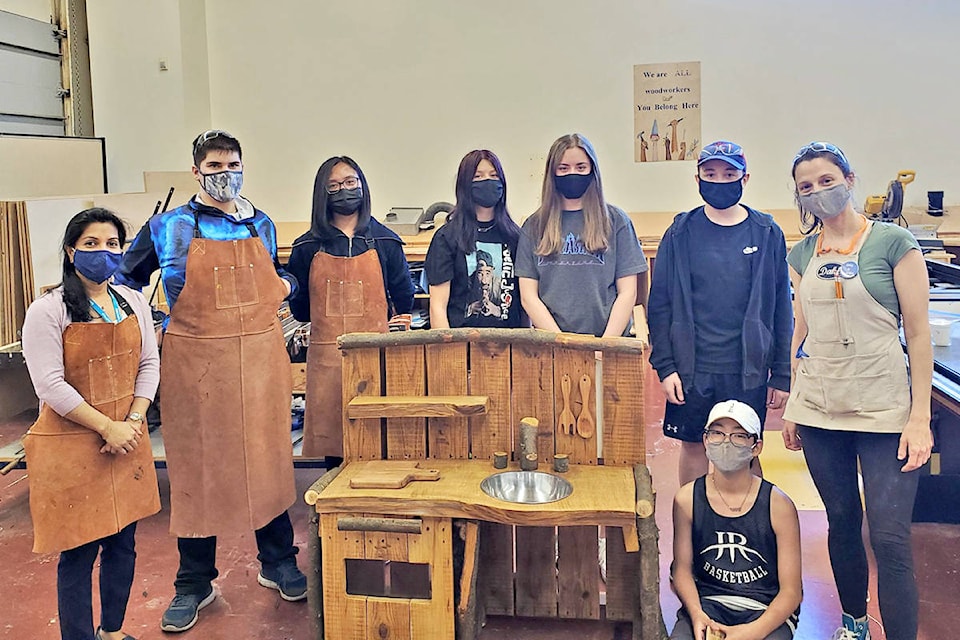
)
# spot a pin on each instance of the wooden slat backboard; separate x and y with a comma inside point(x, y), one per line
point(623, 416)
point(406, 376)
point(490, 376)
point(362, 439)
point(447, 438)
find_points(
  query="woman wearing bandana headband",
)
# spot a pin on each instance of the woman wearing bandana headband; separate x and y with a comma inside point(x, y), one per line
point(92, 354)
point(852, 404)
point(578, 259)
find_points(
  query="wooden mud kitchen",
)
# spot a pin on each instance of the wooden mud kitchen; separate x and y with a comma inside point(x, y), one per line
point(407, 544)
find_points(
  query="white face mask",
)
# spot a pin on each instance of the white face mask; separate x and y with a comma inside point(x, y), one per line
point(727, 457)
point(826, 204)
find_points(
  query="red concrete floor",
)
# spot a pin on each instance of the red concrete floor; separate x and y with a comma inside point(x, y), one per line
point(245, 610)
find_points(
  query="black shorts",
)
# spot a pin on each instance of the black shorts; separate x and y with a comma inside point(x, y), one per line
point(687, 421)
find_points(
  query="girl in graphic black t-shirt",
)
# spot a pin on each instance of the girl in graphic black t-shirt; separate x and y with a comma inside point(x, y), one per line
point(470, 261)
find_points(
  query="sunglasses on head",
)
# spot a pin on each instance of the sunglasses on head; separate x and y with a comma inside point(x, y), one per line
point(210, 135)
point(818, 147)
point(724, 149)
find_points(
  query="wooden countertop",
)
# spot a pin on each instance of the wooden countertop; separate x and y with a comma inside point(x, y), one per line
point(602, 495)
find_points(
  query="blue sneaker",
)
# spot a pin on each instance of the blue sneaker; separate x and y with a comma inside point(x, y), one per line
point(184, 610)
point(853, 629)
point(285, 578)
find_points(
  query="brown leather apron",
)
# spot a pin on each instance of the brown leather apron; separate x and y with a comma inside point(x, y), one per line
point(226, 389)
point(853, 376)
point(77, 494)
point(346, 296)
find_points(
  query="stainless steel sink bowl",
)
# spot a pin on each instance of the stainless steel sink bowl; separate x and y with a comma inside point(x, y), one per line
point(526, 487)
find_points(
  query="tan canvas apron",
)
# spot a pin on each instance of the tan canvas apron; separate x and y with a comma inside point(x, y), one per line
point(77, 494)
point(346, 296)
point(855, 377)
point(226, 389)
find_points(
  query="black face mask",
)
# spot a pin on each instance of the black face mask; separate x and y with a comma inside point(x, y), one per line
point(345, 201)
point(573, 185)
point(486, 193)
point(721, 195)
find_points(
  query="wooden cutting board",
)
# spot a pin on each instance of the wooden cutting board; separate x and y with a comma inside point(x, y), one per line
point(392, 477)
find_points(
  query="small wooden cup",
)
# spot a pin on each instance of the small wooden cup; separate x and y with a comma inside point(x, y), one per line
point(529, 462)
point(561, 463)
point(500, 459)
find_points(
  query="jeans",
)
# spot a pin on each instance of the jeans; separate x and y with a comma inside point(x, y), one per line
point(832, 459)
point(198, 556)
point(75, 584)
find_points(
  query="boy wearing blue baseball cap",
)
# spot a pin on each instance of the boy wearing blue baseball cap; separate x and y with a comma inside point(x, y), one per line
point(720, 311)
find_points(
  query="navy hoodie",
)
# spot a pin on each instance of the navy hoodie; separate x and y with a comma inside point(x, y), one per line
point(767, 325)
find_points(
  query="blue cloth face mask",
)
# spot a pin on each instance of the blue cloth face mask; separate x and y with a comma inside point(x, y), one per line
point(721, 195)
point(96, 266)
point(486, 193)
point(223, 186)
point(573, 185)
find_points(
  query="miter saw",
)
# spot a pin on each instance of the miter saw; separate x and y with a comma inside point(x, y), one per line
point(890, 206)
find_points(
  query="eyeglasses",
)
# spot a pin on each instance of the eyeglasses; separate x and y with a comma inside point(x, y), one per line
point(742, 440)
point(348, 183)
point(822, 147)
point(210, 135)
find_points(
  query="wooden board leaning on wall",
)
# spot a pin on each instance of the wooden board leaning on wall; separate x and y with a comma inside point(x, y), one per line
point(16, 274)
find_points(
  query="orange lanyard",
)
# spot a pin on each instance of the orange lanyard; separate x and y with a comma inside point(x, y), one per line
point(850, 247)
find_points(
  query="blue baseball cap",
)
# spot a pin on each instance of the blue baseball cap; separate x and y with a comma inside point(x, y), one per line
point(729, 152)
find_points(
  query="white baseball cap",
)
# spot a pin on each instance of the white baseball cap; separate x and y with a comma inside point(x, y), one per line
point(742, 413)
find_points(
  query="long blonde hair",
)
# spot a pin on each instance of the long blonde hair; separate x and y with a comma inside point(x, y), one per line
point(597, 224)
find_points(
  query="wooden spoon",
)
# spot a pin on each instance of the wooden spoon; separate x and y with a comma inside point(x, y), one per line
point(566, 421)
point(585, 423)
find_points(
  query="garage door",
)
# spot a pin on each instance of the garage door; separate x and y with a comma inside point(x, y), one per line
point(30, 80)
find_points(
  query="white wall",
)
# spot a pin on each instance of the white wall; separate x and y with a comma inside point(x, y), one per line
point(147, 116)
point(36, 9)
point(406, 88)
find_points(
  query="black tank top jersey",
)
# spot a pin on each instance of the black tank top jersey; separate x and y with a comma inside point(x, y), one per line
point(734, 559)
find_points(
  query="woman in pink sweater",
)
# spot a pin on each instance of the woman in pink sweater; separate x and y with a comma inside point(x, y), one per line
point(92, 355)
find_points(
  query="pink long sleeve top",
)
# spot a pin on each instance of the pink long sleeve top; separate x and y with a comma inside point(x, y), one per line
point(42, 341)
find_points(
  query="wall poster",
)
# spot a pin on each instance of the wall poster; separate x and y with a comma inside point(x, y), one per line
point(666, 114)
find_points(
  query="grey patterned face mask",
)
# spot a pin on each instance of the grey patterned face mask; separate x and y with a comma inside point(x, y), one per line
point(223, 186)
point(826, 204)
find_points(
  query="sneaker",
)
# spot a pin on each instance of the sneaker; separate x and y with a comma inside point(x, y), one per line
point(285, 578)
point(853, 629)
point(184, 610)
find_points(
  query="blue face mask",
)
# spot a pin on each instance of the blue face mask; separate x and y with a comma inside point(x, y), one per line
point(721, 195)
point(223, 186)
point(96, 266)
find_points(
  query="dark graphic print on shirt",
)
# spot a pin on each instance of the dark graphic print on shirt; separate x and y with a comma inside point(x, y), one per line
point(573, 253)
point(490, 281)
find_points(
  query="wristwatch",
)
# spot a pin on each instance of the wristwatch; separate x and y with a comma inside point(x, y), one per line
point(136, 417)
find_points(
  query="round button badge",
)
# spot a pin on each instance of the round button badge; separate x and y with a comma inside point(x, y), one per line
point(849, 270)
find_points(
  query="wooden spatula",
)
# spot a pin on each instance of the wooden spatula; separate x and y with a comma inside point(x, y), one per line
point(585, 423)
point(566, 421)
